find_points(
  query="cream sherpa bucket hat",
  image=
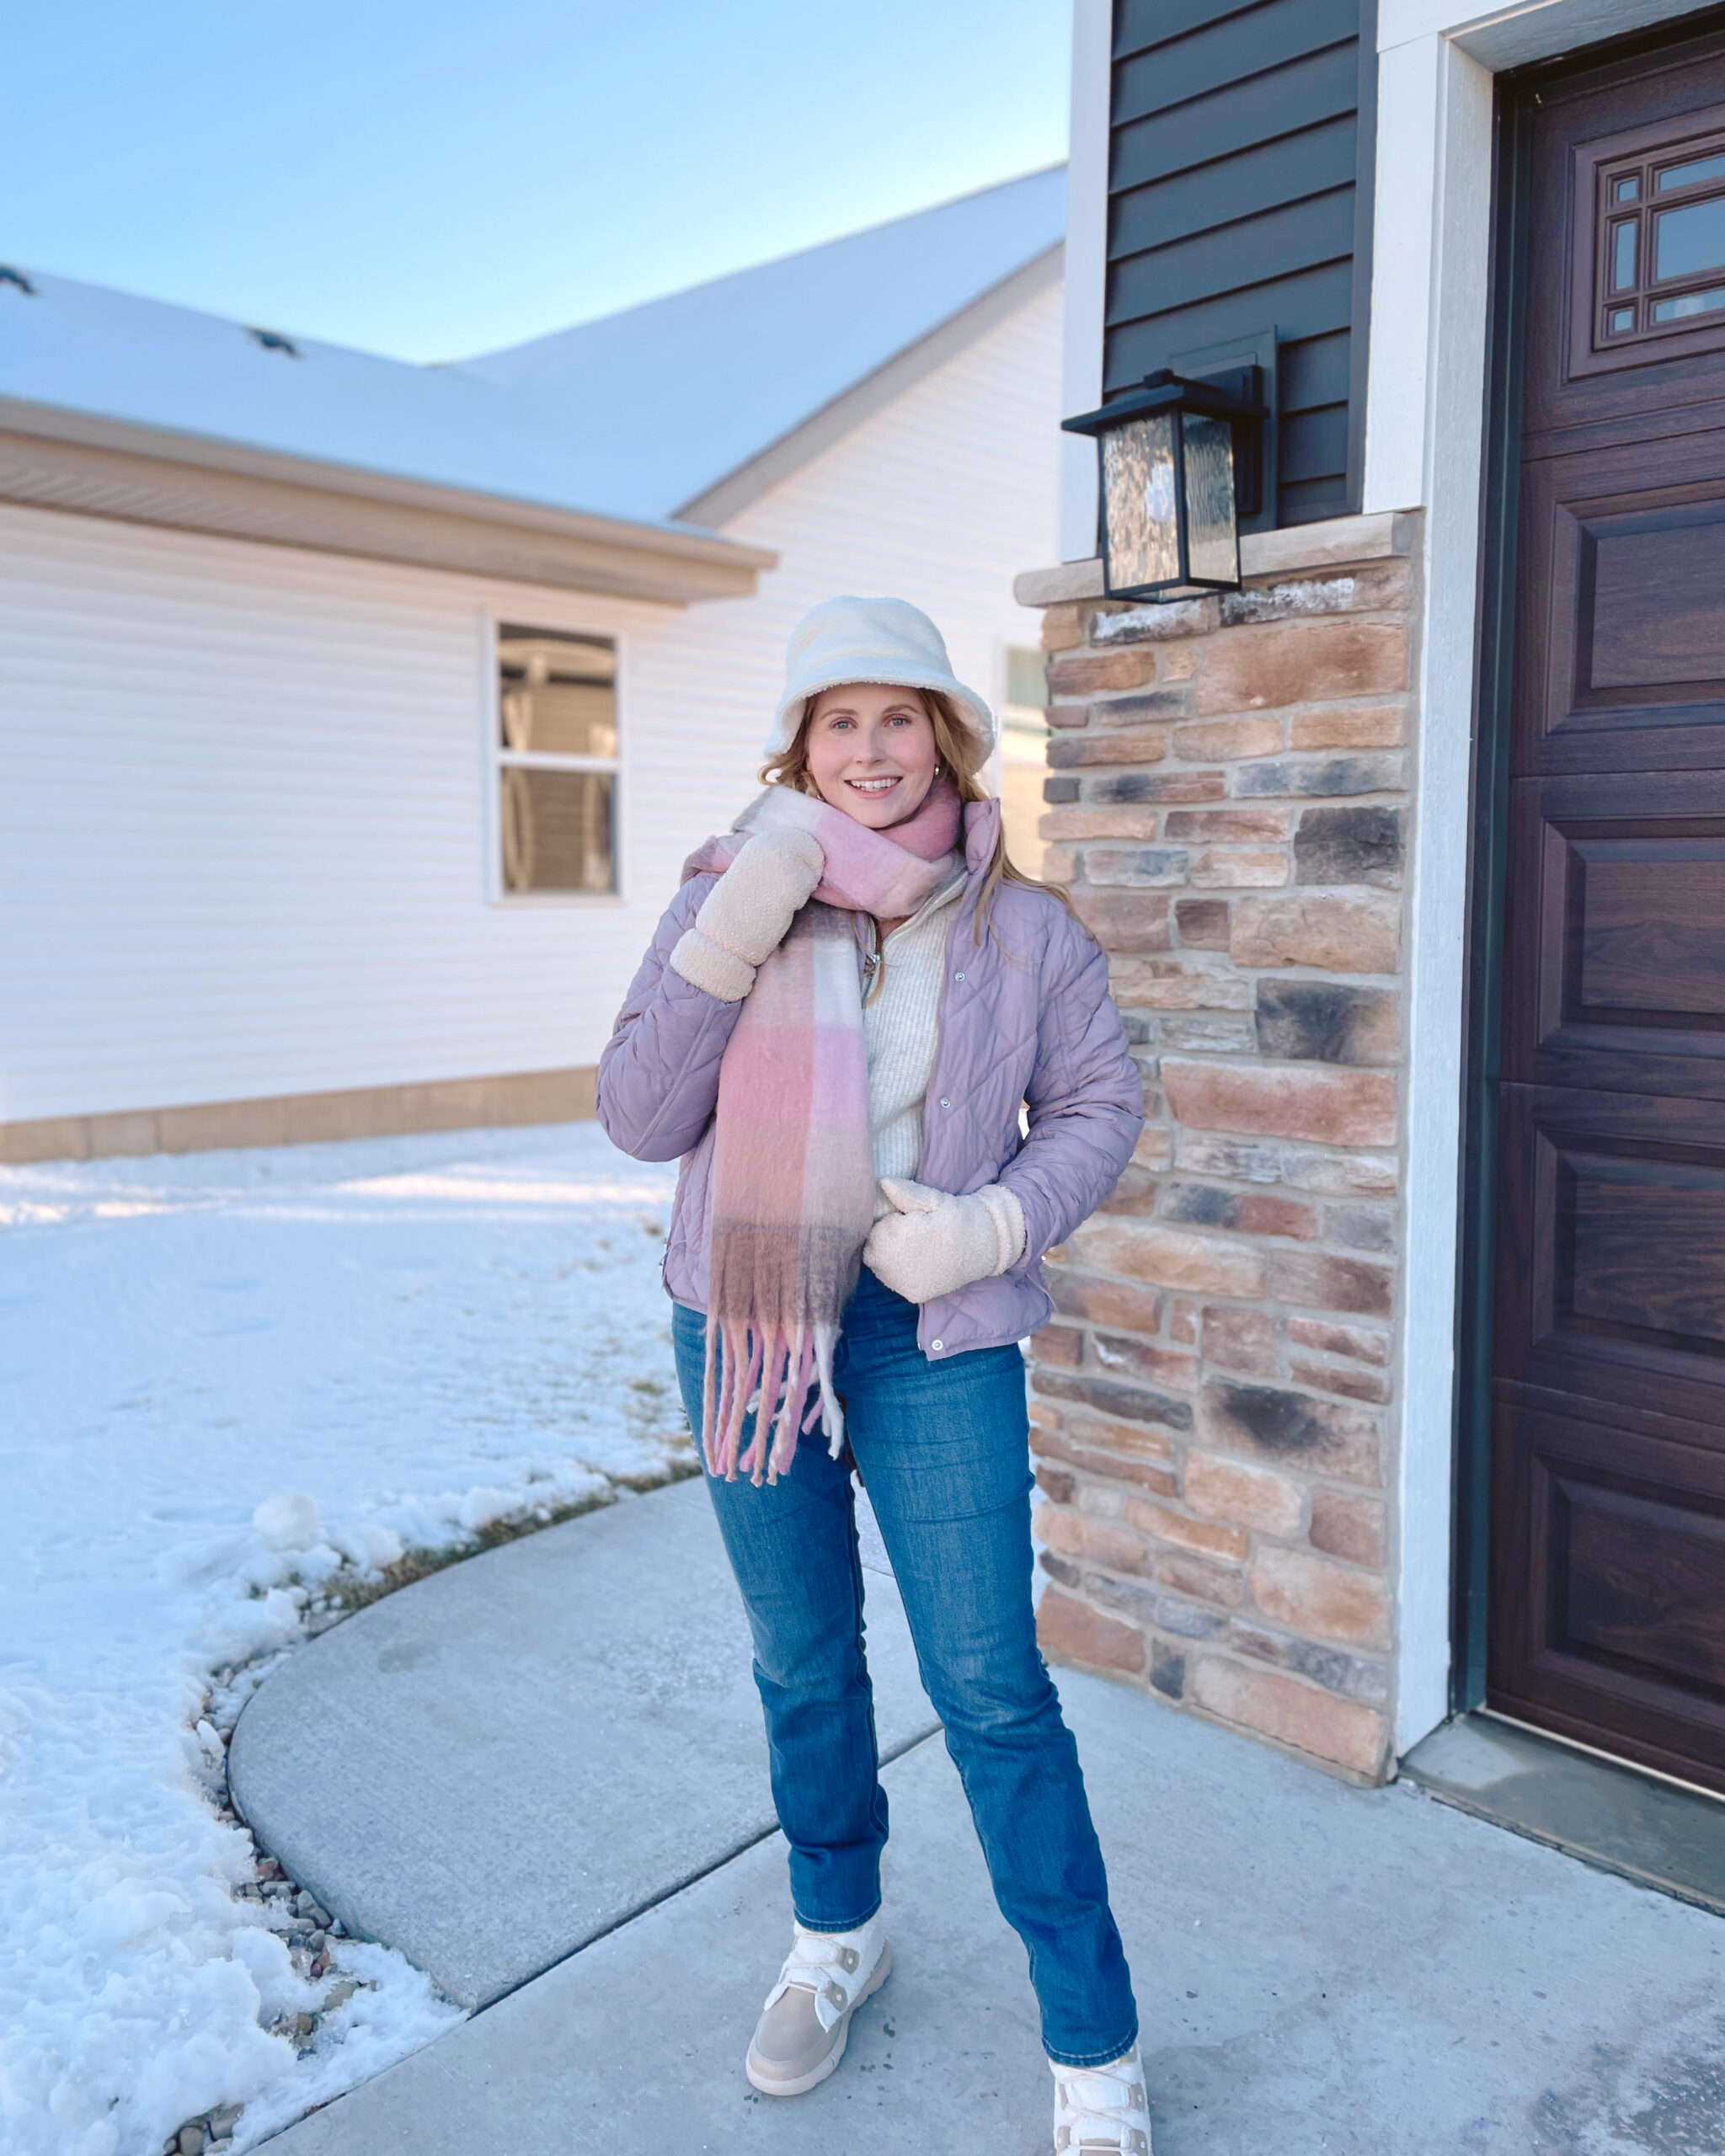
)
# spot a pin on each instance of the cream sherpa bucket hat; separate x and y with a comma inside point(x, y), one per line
point(884, 640)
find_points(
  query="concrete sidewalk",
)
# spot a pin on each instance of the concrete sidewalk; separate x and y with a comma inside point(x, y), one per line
point(492, 1767)
point(1319, 1968)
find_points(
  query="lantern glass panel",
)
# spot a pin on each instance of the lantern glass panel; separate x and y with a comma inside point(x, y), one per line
point(1139, 500)
point(1213, 550)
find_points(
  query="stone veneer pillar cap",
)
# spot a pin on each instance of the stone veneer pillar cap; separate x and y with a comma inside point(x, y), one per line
point(1337, 541)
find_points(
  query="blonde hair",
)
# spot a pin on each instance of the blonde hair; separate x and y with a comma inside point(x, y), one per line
point(962, 753)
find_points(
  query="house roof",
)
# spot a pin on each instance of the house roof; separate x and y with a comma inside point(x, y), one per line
point(671, 398)
point(82, 348)
point(634, 419)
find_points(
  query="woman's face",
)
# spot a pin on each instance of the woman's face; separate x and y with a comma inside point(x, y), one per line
point(871, 752)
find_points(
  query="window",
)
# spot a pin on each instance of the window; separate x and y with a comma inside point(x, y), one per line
point(1660, 260)
point(1024, 758)
point(557, 760)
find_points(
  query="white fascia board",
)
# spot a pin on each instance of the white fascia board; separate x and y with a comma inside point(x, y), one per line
point(1085, 268)
point(53, 458)
point(1512, 36)
point(212, 453)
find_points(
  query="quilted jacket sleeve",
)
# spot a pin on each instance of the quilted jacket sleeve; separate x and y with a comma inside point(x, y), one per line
point(658, 1072)
point(1085, 1097)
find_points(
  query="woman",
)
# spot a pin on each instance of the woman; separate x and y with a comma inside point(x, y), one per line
point(842, 1012)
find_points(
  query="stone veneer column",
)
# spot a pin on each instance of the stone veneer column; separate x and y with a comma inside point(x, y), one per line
point(1213, 1411)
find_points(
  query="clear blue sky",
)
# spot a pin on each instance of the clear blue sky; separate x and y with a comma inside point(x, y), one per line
point(434, 178)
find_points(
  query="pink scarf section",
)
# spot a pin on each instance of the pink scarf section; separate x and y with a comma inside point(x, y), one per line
point(793, 1184)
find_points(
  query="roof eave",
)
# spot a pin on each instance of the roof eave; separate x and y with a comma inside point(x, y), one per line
point(55, 458)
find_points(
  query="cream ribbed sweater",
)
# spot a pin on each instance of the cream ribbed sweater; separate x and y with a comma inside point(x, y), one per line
point(898, 1029)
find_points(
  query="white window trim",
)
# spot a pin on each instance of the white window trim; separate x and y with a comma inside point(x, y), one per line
point(494, 758)
point(1425, 428)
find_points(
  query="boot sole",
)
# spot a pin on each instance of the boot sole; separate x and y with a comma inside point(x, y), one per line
point(803, 2083)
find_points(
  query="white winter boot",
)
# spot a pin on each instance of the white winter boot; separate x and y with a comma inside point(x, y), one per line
point(804, 2026)
point(1101, 2108)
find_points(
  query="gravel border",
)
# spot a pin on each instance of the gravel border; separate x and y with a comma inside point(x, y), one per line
point(310, 1933)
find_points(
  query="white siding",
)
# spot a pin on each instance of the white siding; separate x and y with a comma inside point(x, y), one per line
point(245, 800)
point(244, 828)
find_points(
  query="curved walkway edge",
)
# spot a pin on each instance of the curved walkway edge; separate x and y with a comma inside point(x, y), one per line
point(501, 1763)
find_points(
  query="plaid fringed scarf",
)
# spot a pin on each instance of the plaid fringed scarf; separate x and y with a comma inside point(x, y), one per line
point(793, 1184)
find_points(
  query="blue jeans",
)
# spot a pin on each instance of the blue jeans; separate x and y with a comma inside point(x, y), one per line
point(942, 1449)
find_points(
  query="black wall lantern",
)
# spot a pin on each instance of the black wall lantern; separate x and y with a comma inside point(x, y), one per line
point(1181, 463)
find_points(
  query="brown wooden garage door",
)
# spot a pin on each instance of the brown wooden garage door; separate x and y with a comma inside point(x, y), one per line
point(1607, 1608)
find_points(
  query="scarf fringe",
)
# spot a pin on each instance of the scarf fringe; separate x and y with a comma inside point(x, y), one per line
point(773, 1381)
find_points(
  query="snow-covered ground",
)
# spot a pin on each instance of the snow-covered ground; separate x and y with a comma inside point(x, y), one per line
point(410, 1337)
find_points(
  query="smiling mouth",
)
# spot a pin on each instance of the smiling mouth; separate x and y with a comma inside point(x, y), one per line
point(876, 785)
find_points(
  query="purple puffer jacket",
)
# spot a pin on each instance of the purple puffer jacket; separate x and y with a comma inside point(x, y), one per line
point(1024, 1017)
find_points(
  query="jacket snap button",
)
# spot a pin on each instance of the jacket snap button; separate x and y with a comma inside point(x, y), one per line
point(957, 976)
point(938, 1345)
point(946, 1104)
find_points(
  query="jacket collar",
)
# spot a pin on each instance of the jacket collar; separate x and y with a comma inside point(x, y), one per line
point(982, 827)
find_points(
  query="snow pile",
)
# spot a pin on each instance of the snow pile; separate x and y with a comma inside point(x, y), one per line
point(224, 1380)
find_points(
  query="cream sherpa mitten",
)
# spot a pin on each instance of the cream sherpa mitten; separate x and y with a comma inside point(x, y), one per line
point(932, 1243)
point(745, 917)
